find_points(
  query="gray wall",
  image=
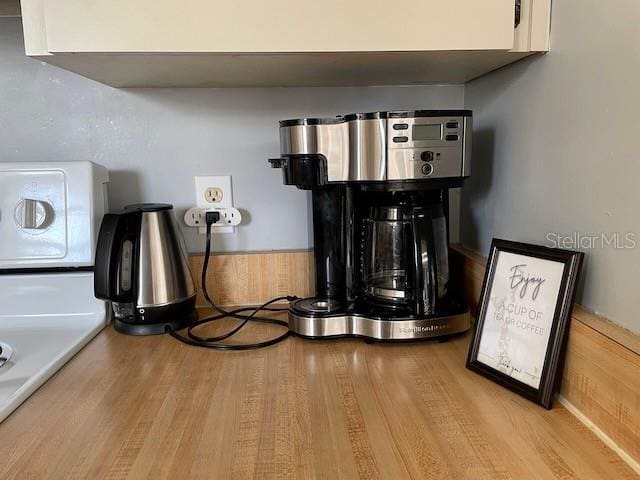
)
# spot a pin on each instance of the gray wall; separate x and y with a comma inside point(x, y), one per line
point(557, 149)
point(155, 141)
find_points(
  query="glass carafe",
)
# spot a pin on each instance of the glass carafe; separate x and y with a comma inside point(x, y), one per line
point(386, 253)
point(405, 256)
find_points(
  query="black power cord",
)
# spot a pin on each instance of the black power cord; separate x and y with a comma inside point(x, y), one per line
point(213, 342)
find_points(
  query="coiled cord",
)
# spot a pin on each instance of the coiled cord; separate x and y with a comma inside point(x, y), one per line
point(213, 342)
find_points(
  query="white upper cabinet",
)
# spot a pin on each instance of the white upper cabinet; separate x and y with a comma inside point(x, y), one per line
point(266, 26)
point(283, 42)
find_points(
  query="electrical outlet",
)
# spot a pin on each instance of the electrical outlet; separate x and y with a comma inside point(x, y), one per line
point(213, 192)
point(214, 189)
point(194, 217)
point(229, 218)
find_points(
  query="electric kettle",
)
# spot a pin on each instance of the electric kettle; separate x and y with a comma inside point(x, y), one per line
point(141, 266)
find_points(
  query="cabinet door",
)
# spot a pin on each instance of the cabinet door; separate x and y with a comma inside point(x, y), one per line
point(260, 26)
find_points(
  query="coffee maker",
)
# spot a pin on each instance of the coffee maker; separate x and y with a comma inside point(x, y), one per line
point(380, 187)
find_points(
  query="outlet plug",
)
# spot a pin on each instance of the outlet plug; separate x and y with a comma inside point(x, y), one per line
point(229, 217)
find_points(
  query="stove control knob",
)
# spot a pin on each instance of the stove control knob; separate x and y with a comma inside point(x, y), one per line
point(34, 214)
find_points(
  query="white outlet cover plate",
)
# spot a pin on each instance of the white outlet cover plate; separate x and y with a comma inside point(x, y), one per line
point(223, 182)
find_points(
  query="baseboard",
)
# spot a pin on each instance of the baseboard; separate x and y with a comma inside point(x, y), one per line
point(240, 279)
point(606, 439)
point(601, 377)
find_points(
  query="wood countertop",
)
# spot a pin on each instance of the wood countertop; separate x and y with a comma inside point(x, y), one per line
point(151, 407)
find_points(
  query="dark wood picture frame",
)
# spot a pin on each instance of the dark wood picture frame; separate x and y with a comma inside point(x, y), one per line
point(556, 345)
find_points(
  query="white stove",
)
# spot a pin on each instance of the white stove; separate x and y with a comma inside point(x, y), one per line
point(49, 217)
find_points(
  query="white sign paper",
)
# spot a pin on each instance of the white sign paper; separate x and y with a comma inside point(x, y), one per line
point(519, 316)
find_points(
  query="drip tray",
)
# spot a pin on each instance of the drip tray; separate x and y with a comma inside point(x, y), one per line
point(318, 306)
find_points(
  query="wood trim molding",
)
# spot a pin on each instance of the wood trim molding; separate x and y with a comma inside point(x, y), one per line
point(10, 8)
point(241, 279)
point(609, 329)
point(601, 377)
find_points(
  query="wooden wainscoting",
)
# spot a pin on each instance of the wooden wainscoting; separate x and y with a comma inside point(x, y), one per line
point(601, 376)
point(253, 278)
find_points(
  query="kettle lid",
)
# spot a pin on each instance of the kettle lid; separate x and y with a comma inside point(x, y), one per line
point(147, 207)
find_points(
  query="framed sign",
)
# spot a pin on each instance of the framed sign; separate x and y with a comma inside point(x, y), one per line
point(523, 317)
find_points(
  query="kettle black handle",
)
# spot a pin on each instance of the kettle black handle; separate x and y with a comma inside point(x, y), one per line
point(110, 238)
point(426, 278)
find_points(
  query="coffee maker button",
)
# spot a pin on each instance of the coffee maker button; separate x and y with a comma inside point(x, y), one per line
point(427, 156)
point(427, 169)
point(400, 126)
point(400, 139)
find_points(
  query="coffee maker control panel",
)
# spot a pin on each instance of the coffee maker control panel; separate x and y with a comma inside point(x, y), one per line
point(376, 147)
point(422, 147)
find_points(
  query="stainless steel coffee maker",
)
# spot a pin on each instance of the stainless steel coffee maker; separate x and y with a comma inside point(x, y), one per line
point(380, 187)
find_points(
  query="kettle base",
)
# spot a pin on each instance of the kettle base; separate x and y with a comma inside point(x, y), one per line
point(153, 328)
point(155, 320)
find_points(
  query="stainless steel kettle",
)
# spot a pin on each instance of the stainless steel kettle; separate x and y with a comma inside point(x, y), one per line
point(141, 266)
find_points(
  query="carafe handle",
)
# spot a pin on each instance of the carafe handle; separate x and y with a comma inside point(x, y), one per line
point(426, 279)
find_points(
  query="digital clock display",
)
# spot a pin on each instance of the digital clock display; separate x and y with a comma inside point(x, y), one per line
point(427, 132)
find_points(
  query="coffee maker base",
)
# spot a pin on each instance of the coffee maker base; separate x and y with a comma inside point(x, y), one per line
point(357, 325)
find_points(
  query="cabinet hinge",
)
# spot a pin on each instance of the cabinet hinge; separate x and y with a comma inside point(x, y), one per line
point(516, 20)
